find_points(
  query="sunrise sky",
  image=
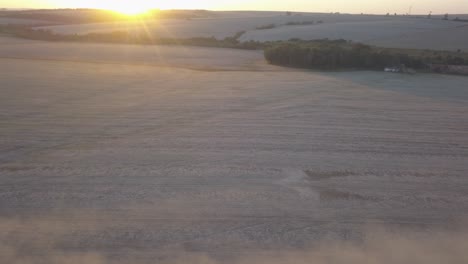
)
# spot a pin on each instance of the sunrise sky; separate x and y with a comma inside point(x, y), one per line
point(348, 6)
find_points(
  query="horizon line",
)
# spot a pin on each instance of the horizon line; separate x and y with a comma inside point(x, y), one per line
point(222, 10)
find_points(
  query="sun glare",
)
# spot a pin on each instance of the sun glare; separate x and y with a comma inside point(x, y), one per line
point(130, 10)
point(129, 7)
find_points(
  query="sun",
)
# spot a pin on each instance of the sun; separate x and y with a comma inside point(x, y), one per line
point(130, 7)
point(131, 10)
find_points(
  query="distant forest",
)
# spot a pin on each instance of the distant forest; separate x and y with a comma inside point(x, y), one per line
point(342, 54)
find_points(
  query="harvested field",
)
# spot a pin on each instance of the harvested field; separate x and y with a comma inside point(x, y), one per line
point(408, 33)
point(394, 31)
point(117, 153)
point(19, 21)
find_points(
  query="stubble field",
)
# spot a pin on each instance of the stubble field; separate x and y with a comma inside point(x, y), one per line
point(146, 158)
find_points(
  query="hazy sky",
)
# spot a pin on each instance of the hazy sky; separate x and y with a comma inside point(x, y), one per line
point(351, 6)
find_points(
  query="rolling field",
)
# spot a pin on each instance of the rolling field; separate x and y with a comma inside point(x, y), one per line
point(182, 57)
point(392, 31)
point(225, 25)
point(134, 154)
point(407, 33)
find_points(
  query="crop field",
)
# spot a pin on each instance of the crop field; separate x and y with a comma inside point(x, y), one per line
point(408, 33)
point(385, 31)
point(138, 154)
point(220, 27)
point(183, 57)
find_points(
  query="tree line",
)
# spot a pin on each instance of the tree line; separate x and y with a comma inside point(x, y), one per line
point(125, 37)
point(338, 54)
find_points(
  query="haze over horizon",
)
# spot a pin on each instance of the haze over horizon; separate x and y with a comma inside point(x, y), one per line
point(344, 6)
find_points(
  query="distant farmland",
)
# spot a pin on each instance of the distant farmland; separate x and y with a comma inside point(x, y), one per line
point(394, 32)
